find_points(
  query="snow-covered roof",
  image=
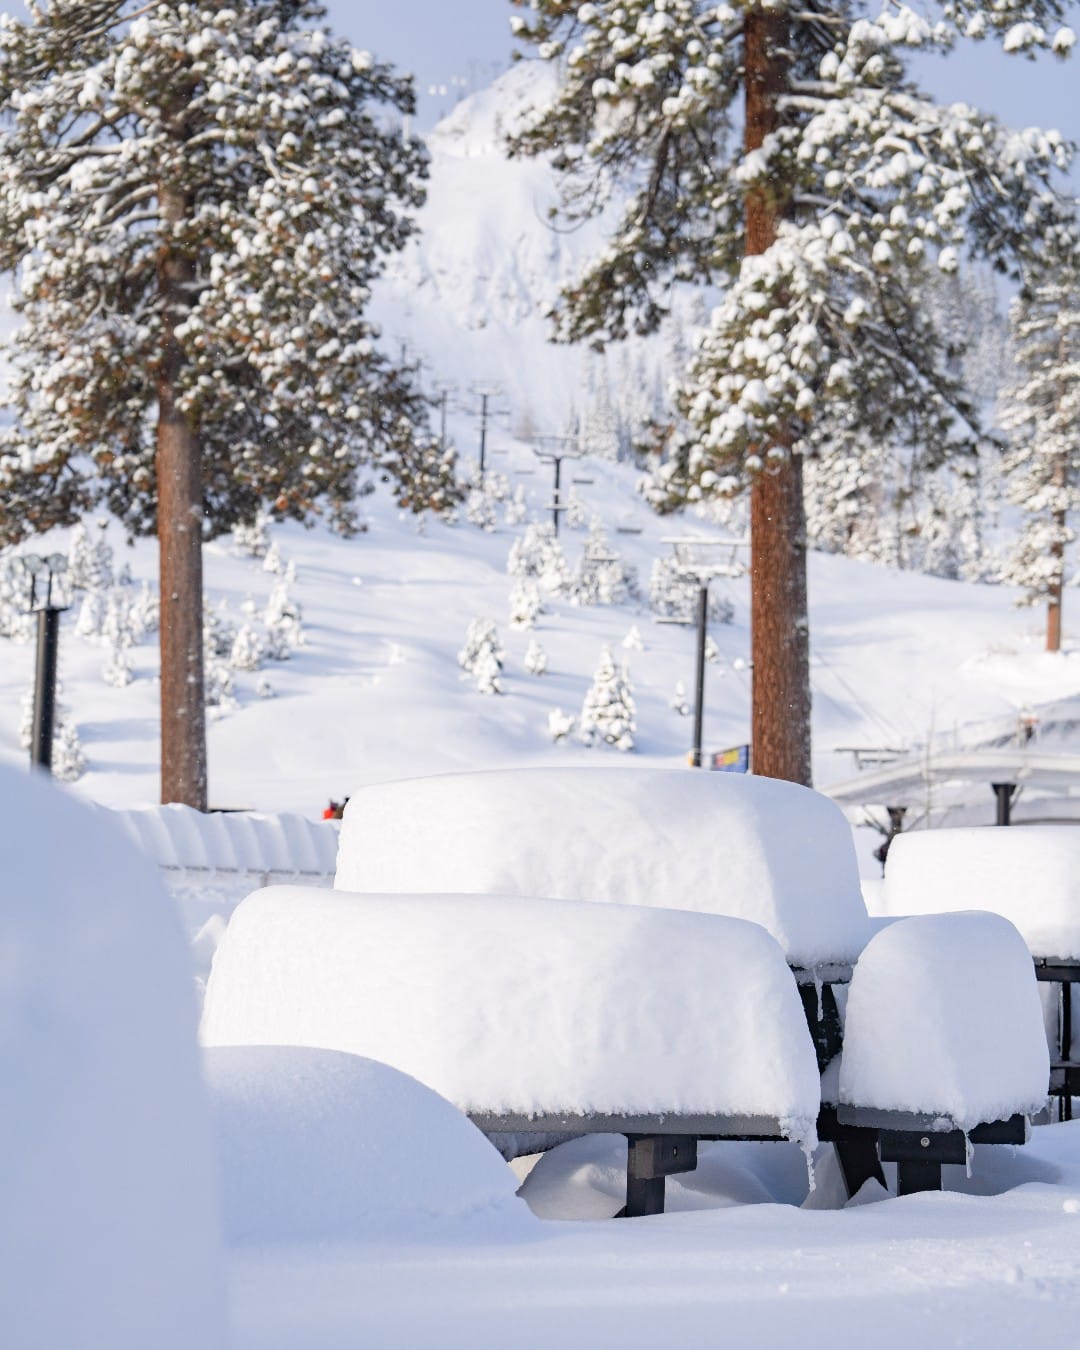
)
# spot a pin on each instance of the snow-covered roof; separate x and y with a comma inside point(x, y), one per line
point(904, 782)
point(752, 848)
point(525, 1008)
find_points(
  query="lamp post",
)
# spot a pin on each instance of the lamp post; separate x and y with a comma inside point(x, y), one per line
point(43, 573)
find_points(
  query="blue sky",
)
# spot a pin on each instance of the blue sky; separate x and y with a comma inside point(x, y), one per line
point(446, 40)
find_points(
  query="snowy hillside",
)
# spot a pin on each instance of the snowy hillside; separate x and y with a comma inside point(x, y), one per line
point(469, 294)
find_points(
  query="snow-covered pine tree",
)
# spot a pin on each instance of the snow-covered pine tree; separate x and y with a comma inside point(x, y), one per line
point(195, 197)
point(537, 553)
point(252, 540)
point(1041, 412)
point(90, 561)
point(525, 603)
point(536, 662)
point(608, 712)
point(481, 640)
point(248, 649)
point(516, 511)
point(846, 185)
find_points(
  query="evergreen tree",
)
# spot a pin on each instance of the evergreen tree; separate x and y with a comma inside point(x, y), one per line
point(196, 197)
point(608, 712)
point(1042, 414)
point(849, 184)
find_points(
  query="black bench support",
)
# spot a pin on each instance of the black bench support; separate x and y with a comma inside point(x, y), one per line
point(649, 1159)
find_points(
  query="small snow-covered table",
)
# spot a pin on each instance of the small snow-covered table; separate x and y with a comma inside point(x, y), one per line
point(1031, 876)
point(943, 1042)
point(541, 1020)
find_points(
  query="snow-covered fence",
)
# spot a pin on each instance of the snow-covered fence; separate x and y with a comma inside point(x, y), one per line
point(242, 845)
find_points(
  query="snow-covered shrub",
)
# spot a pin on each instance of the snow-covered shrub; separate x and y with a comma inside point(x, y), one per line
point(525, 603)
point(480, 510)
point(264, 689)
point(678, 700)
point(283, 620)
point(248, 650)
point(146, 611)
point(560, 725)
point(90, 560)
point(219, 632)
point(487, 669)
point(602, 577)
point(497, 485)
point(673, 594)
point(607, 714)
point(252, 541)
point(272, 561)
point(91, 614)
point(536, 662)
point(482, 655)
point(117, 669)
point(218, 682)
point(15, 617)
point(515, 510)
point(537, 553)
point(632, 641)
point(712, 651)
point(575, 514)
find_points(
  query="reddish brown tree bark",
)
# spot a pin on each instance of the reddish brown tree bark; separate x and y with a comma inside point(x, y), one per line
point(779, 642)
point(179, 486)
point(1057, 587)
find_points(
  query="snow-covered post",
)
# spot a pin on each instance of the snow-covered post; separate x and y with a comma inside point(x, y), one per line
point(699, 684)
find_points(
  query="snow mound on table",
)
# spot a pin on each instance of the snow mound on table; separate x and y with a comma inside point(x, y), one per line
point(752, 848)
point(524, 1006)
point(944, 1018)
point(1029, 874)
point(320, 1146)
point(109, 1236)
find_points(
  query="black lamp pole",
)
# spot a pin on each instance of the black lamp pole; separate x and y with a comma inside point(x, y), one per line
point(48, 646)
point(699, 696)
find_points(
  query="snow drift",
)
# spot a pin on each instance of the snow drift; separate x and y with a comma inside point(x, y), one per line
point(109, 1236)
point(318, 1146)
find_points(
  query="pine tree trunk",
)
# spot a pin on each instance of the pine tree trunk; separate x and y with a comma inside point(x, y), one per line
point(780, 648)
point(180, 504)
point(1057, 553)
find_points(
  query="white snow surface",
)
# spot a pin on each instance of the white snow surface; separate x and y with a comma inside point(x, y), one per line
point(319, 1146)
point(750, 848)
point(109, 1234)
point(521, 1006)
point(944, 1019)
point(1031, 875)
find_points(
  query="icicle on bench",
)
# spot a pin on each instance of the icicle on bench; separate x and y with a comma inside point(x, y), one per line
point(771, 852)
point(1028, 874)
point(541, 1020)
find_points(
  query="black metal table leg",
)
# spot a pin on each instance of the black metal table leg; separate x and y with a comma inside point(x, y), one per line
point(915, 1174)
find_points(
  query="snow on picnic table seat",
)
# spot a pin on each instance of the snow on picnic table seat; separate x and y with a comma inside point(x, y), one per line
point(751, 848)
point(1029, 874)
point(531, 1008)
point(944, 1020)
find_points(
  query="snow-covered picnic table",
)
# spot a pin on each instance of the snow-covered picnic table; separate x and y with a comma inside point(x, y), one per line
point(1028, 874)
point(573, 861)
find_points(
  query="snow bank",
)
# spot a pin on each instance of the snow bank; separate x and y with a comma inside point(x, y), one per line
point(944, 1018)
point(1029, 874)
point(320, 1146)
point(108, 1235)
point(524, 1006)
point(751, 848)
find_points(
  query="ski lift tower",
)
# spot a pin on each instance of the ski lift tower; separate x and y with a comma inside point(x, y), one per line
point(554, 450)
point(488, 392)
point(701, 561)
point(445, 402)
